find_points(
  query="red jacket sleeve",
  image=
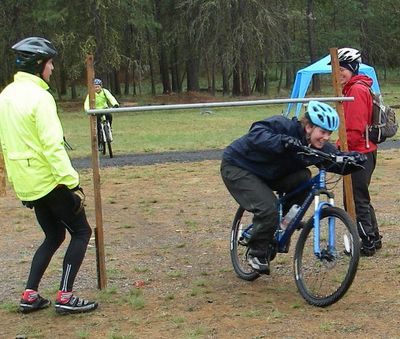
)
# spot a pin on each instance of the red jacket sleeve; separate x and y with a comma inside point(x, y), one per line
point(358, 115)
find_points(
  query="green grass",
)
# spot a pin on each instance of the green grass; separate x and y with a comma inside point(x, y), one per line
point(160, 131)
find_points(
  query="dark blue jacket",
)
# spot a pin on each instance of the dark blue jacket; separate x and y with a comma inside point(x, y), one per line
point(261, 150)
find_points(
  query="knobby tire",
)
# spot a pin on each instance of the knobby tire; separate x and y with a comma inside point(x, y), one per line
point(322, 282)
point(239, 252)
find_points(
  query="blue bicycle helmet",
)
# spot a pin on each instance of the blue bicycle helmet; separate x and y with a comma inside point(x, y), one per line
point(98, 82)
point(322, 115)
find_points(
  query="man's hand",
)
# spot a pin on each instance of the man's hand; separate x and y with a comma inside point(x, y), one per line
point(291, 143)
point(79, 198)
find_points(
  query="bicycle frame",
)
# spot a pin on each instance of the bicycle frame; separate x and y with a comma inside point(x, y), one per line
point(318, 187)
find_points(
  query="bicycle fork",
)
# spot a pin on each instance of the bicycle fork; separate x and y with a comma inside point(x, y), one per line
point(103, 133)
point(331, 234)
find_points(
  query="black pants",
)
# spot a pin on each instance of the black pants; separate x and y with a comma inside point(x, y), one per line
point(55, 214)
point(366, 219)
point(257, 196)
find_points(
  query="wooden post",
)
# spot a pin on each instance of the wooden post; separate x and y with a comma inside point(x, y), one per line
point(2, 176)
point(347, 185)
point(99, 237)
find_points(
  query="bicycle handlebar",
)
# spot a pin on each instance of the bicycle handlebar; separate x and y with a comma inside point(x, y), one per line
point(346, 159)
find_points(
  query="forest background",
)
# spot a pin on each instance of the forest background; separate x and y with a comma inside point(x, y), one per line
point(224, 47)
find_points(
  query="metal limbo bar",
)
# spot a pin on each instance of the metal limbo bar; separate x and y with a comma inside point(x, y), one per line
point(214, 104)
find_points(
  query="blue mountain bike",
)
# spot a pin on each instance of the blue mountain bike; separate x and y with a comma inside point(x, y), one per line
point(328, 248)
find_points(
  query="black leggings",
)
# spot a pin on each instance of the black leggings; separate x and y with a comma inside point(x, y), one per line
point(366, 218)
point(55, 214)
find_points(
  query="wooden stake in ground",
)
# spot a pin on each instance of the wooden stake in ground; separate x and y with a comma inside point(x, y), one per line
point(99, 234)
point(2, 176)
point(348, 188)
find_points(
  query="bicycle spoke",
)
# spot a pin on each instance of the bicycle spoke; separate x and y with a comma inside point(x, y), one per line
point(239, 251)
point(323, 279)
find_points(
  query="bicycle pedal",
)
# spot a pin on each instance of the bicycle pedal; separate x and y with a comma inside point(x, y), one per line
point(243, 241)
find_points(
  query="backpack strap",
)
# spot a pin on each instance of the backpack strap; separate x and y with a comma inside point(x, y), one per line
point(108, 100)
point(371, 92)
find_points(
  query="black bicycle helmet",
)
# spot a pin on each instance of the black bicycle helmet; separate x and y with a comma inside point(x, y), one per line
point(32, 52)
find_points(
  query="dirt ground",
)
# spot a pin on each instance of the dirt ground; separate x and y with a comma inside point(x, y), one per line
point(168, 225)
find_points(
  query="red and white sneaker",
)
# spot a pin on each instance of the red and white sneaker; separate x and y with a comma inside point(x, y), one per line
point(32, 301)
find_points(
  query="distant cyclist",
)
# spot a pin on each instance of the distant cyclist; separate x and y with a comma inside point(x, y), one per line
point(103, 99)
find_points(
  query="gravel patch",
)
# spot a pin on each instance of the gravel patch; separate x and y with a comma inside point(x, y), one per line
point(164, 157)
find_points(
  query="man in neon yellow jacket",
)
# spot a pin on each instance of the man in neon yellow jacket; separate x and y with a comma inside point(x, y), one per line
point(41, 173)
point(103, 99)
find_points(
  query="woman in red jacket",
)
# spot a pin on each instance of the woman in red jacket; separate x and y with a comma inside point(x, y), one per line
point(358, 115)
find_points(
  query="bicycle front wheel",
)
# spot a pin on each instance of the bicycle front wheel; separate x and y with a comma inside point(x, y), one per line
point(238, 249)
point(322, 280)
point(109, 139)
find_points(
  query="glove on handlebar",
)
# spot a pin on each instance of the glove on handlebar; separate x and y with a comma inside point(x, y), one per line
point(79, 198)
point(291, 143)
point(359, 158)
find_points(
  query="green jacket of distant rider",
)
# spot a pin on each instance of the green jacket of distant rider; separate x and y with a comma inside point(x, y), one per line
point(103, 97)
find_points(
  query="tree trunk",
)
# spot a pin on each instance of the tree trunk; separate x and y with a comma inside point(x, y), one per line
point(213, 79)
point(209, 85)
point(192, 70)
point(151, 66)
point(259, 80)
point(63, 79)
point(175, 76)
point(117, 84)
point(126, 81)
point(278, 90)
point(225, 80)
point(366, 46)
point(236, 81)
point(266, 79)
point(163, 62)
point(98, 54)
point(316, 85)
point(245, 78)
point(162, 53)
point(74, 94)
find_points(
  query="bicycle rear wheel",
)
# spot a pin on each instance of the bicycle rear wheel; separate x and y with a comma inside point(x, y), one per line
point(238, 251)
point(323, 281)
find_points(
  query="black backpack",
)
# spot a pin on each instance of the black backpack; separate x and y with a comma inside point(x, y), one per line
point(384, 123)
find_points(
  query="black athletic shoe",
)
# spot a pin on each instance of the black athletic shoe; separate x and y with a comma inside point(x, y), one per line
point(378, 242)
point(368, 248)
point(260, 264)
point(75, 305)
point(35, 303)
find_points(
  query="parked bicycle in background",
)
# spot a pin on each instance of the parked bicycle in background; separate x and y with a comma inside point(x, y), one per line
point(103, 99)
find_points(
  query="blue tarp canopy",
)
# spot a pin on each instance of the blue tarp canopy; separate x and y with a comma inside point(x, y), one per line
point(303, 79)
